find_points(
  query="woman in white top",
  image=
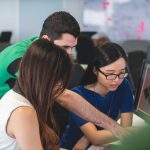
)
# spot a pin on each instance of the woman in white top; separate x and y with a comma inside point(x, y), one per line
point(43, 75)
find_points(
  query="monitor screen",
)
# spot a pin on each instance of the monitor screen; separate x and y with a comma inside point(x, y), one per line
point(142, 101)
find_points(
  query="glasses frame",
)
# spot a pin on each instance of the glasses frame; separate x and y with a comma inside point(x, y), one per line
point(116, 75)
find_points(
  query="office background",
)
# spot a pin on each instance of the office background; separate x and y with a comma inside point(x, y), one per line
point(25, 17)
point(120, 19)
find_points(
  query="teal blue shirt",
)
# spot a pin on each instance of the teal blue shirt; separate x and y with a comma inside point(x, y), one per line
point(119, 101)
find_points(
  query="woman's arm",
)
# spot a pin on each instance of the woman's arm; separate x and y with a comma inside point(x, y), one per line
point(99, 137)
point(126, 122)
point(82, 108)
point(23, 126)
point(126, 119)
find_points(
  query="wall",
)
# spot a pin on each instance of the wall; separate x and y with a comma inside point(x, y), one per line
point(25, 17)
point(75, 7)
point(9, 14)
point(34, 12)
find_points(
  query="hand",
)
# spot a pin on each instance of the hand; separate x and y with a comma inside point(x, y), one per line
point(82, 144)
point(120, 132)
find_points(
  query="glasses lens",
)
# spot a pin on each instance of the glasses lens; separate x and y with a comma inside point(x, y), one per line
point(123, 75)
point(111, 77)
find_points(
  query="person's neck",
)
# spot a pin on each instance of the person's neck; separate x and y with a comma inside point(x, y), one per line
point(98, 89)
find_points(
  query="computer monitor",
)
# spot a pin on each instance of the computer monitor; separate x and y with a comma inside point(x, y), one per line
point(142, 100)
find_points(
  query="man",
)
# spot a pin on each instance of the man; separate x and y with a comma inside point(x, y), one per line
point(62, 29)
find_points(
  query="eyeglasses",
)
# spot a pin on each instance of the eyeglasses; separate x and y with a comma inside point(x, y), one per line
point(114, 76)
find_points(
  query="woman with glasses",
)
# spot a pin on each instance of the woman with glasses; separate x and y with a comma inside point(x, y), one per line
point(105, 86)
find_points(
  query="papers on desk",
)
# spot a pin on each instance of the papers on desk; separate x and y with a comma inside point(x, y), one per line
point(95, 148)
point(105, 146)
point(137, 121)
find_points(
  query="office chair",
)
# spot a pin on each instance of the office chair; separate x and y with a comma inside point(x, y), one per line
point(3, 45)
point(86, 50)
point(133, 45)
point(135, 61)
point(76, 75)
point(5, 36)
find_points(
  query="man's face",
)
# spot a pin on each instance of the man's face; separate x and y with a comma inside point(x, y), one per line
point(67, 42)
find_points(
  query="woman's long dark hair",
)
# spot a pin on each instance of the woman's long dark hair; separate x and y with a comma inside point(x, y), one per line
point(43, 75)
point(107, 54)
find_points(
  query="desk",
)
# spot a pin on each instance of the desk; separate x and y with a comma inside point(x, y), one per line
point(137, 122)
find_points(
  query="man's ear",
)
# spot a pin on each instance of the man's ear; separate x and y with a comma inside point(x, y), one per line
point(46, 37)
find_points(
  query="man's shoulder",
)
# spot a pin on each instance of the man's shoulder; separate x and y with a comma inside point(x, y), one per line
point(17, 49)
point(24, 43)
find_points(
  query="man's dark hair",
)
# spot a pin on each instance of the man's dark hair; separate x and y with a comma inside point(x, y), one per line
point(58, 23)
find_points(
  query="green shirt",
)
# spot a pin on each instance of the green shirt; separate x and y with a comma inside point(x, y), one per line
point(9, 60)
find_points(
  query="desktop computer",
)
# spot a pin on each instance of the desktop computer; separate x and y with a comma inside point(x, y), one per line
point(142, 99)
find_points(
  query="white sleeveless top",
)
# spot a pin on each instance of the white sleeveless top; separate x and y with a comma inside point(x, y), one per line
point(9, 102)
